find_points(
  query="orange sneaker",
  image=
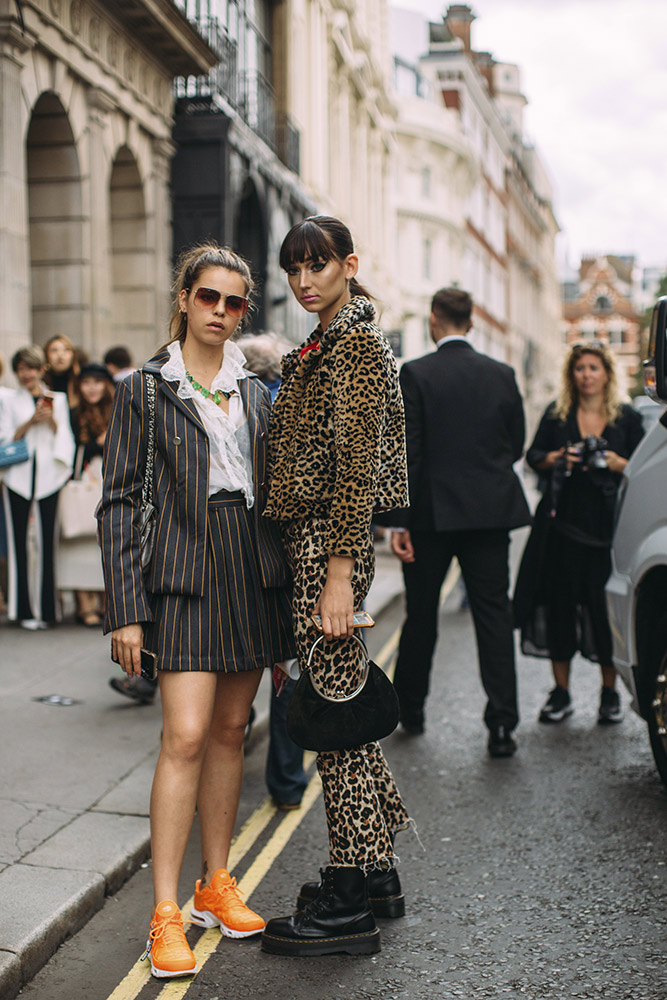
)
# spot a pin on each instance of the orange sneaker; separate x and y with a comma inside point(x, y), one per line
point(169, 952)
point(219, 905)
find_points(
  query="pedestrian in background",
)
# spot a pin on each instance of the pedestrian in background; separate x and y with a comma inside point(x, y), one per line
point(285, 775)
point(63, 367)
point(41, 418)
point(119, 362)
point(5, 393)
point(580, 450)
point(79, 563)
point(464, 430)
point(337, 452)
point(213, 608)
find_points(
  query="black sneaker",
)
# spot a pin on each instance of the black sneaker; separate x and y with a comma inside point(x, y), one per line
point(610, 707)
point(557, 706)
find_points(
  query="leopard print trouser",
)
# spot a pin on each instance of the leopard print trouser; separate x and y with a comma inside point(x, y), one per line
point(362, 803)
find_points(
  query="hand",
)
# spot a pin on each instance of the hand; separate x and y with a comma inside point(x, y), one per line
point(43, 415)
point(615, 462)
point(401, 546)
point(101, 438)
point(551, 458)
point(573, 456)
point(336, 603)
point(126, 643)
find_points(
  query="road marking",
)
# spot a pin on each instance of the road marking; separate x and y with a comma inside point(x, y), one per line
point(140, 973)
point(209, 941)
point(135, 980)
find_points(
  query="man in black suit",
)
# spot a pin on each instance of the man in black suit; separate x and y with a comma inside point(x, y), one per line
point(465, 429)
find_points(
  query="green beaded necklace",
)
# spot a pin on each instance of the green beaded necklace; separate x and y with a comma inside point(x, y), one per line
point(215, 397)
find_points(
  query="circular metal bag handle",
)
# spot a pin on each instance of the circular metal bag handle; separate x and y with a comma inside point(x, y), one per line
point(345, 697)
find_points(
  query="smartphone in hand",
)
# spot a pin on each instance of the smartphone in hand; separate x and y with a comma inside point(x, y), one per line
point(360, 619)
point(148, 665)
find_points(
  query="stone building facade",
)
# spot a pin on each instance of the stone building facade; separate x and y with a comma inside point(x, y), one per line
point(502, 198)
point(85, 150)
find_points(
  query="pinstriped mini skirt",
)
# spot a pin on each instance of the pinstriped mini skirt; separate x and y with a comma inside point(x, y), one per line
point(237, 624)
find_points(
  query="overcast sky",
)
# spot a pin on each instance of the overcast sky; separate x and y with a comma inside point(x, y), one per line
point(595, 74)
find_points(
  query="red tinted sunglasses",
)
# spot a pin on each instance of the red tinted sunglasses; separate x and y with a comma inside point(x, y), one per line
point(235, 305)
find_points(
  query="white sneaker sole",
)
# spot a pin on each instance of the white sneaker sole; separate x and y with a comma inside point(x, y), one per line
point(204, 918)
point(163, 974)
point(556, 716)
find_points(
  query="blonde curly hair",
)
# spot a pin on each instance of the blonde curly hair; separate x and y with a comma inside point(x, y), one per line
point(567, 397)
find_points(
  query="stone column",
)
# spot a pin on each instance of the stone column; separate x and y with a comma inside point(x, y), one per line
point(160, 234)
point(15, 321)
point(99, 107)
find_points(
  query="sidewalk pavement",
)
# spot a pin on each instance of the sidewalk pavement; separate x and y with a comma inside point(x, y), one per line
point(75, 783)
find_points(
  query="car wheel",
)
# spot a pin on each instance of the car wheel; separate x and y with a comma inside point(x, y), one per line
point(657, 719)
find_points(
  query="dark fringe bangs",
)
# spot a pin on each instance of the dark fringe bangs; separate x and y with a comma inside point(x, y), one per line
point(305, 241)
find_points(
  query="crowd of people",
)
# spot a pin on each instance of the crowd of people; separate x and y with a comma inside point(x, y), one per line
point(60, 410)
point(241, 481)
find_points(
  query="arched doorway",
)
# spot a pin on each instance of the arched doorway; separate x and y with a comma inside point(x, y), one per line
point(132, 297)
point(250, 241)
point(55, 224)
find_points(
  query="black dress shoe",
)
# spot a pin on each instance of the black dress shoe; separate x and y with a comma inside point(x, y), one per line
point(384, 893)
point(339, 919)
point(500, 742)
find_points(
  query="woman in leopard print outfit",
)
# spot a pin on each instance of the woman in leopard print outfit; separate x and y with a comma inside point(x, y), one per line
point(336, 454)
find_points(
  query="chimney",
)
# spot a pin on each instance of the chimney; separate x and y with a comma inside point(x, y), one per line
point(459, 18)
point(485, 63)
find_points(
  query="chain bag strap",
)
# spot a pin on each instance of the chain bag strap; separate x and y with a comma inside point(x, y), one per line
point(319, 721)
point(147, 518)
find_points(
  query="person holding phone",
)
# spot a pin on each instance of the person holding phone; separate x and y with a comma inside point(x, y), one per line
point(337, 453)
point(41, 418)
point(213, 607)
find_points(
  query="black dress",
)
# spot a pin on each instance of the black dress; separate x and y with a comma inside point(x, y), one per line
point(559, 599)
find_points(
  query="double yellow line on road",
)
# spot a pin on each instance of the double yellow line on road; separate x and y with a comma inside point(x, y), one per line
point(140, 973)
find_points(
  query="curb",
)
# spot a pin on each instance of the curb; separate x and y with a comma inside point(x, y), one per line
point(70, 893)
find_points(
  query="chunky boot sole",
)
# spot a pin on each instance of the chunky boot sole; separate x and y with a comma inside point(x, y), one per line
point(354, 944)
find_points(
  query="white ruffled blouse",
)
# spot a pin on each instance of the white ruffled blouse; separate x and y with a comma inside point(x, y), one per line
point(230, 465)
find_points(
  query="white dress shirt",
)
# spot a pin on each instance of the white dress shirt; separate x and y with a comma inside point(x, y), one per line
point(230, 464)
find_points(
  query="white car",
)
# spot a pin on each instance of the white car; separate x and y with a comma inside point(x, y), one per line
point(637, 587)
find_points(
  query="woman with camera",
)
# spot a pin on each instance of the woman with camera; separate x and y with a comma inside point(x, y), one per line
point(337, 453)
point(580, 450)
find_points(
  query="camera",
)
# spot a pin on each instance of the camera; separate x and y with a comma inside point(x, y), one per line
point(592, 452)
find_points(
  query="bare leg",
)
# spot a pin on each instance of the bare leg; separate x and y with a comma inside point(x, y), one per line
point(608, 676)
point(222, 770)
point(187, 709)
point(561, 669)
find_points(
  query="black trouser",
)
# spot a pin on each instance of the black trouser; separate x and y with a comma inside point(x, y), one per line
point(482, 556)
point(20, 510)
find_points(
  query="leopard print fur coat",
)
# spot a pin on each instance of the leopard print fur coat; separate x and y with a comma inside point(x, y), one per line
point(337, 438)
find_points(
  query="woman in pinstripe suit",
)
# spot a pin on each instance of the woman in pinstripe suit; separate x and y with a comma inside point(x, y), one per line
point(214, 605)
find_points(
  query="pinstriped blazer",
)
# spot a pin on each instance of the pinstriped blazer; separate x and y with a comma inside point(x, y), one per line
point(180, 486)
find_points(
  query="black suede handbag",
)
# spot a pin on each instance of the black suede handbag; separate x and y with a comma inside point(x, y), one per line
point(318, 721)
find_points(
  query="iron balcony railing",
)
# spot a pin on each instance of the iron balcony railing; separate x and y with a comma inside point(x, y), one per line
point(258, 106)
point(224, 77)
point(288, 142)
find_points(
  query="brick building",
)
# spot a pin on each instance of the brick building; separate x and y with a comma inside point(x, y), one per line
point(600, 305)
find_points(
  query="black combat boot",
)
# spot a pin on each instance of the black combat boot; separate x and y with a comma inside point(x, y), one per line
point(338, 919)
point(384, 893)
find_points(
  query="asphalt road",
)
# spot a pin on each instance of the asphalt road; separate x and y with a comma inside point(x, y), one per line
point(542, 876)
